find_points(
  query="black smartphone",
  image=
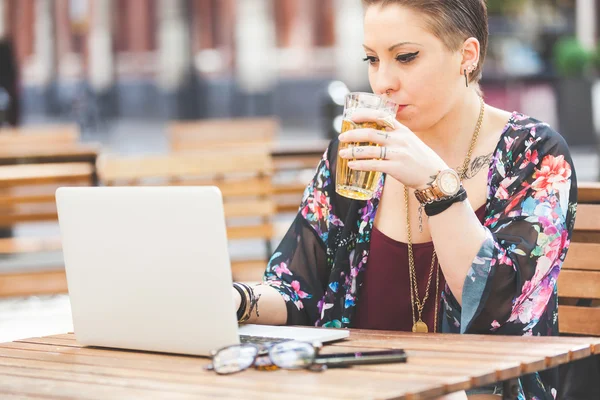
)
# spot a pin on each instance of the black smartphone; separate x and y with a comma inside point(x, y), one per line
point(362, 358)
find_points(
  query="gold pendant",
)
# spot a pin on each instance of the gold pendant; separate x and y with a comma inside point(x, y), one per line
point(420, 327)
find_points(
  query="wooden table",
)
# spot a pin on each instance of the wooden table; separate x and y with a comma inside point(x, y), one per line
point(57, 367)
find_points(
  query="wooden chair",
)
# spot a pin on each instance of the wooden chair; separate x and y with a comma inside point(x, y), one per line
point(588, 193)
point(222, 134)
point(39, 136)
point(291, 160)
point(579, 280)
point(244, 177)
point(27, 196)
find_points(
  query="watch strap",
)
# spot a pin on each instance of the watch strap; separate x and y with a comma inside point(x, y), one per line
point(437, 207)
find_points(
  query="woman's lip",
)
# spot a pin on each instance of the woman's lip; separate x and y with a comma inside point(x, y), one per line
point(402, 107)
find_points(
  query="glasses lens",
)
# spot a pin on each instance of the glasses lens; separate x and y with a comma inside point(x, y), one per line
point(234, 359)
point(292, 355)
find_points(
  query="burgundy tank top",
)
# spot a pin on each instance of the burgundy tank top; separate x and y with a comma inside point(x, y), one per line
point(384, 301)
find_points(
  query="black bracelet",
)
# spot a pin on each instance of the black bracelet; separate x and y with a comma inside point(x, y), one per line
point(250, 301)
point(242, 308)
point(438, 207)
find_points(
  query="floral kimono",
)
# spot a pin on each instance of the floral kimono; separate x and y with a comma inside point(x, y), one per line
point(510, 288)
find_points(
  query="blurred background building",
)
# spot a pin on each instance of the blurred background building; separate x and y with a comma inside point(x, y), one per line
point(104, 60)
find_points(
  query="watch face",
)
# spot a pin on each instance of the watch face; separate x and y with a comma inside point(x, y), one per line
point(449, 182)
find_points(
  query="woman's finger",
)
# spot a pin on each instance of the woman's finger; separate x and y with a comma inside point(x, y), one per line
point(366, 152)
point(369, 165)
point(367, 135)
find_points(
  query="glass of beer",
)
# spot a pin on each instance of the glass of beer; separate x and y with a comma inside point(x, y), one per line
point(360, 185)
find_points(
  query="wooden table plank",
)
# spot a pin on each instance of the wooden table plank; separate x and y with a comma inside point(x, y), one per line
point(437, 364)
point(553, 355)
point(331, 383)
point(460, 372)
point(33, 386)
point(491, 370)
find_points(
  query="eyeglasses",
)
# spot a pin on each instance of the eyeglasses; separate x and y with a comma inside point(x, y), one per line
point(287, 355)
point(295, 355)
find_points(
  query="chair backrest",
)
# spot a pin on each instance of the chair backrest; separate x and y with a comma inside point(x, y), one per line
point(244, 177)
point(46, 135)
point(579, 280)
point(27, 190)
point(588, 192)
point(222, 133)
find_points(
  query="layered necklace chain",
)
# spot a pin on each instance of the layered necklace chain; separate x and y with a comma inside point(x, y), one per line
point(416, 303)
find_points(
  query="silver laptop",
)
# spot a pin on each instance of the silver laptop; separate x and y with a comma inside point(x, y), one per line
point(148, 269)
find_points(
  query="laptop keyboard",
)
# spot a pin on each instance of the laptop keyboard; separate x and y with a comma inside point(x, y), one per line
point(262, 342)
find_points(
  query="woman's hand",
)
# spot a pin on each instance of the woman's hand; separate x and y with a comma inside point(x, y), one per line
point(401, 154)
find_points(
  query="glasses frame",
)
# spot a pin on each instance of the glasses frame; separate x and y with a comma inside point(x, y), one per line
point(266, 351)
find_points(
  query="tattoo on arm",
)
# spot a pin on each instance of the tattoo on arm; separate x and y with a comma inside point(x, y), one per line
point(432, 180)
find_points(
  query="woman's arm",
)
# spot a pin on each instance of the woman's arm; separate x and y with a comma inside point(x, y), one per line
point(457, 235)
point(271, 306)
point(508, 282)
point(298, 270)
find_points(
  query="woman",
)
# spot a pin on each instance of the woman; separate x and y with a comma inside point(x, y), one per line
point(492, 257)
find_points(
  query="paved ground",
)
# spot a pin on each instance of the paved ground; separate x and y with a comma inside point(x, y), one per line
point(46, 315)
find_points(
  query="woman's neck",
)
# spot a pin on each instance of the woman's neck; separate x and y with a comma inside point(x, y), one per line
point(452, 135)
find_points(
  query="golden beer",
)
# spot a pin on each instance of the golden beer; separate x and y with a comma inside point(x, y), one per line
point(361, 185)
point(358, 185)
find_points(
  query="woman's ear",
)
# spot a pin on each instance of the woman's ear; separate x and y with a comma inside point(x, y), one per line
point(470, 55)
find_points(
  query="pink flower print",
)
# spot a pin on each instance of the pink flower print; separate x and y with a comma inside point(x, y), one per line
point(503, 258)
point(541, 298)
point(553, 172)
point(554, 248)
point(298, 291)
point(282, 269)
point(521, 312)
point(495, 325)
point(530, 157)
point(509, 142)
point(515, 201)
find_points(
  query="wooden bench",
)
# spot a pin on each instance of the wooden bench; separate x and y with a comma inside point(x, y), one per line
point(39, 136)
point(290, 158)
point(243, 176)
point(222, 134)
point(33, 265)
point(579, 280)
point(588, 193)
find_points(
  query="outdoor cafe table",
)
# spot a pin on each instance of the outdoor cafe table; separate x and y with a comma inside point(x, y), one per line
point(58, 367)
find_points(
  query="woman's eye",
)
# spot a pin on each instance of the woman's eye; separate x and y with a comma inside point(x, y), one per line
point(372, 60)
point(406, 58)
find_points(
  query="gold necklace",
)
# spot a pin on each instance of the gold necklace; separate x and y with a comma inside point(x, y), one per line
point(462, 172)
point(419, 325)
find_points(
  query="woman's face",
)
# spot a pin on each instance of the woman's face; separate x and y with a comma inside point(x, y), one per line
point(413, 65)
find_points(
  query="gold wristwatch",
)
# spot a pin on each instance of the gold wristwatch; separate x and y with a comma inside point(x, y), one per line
point(445, 185)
